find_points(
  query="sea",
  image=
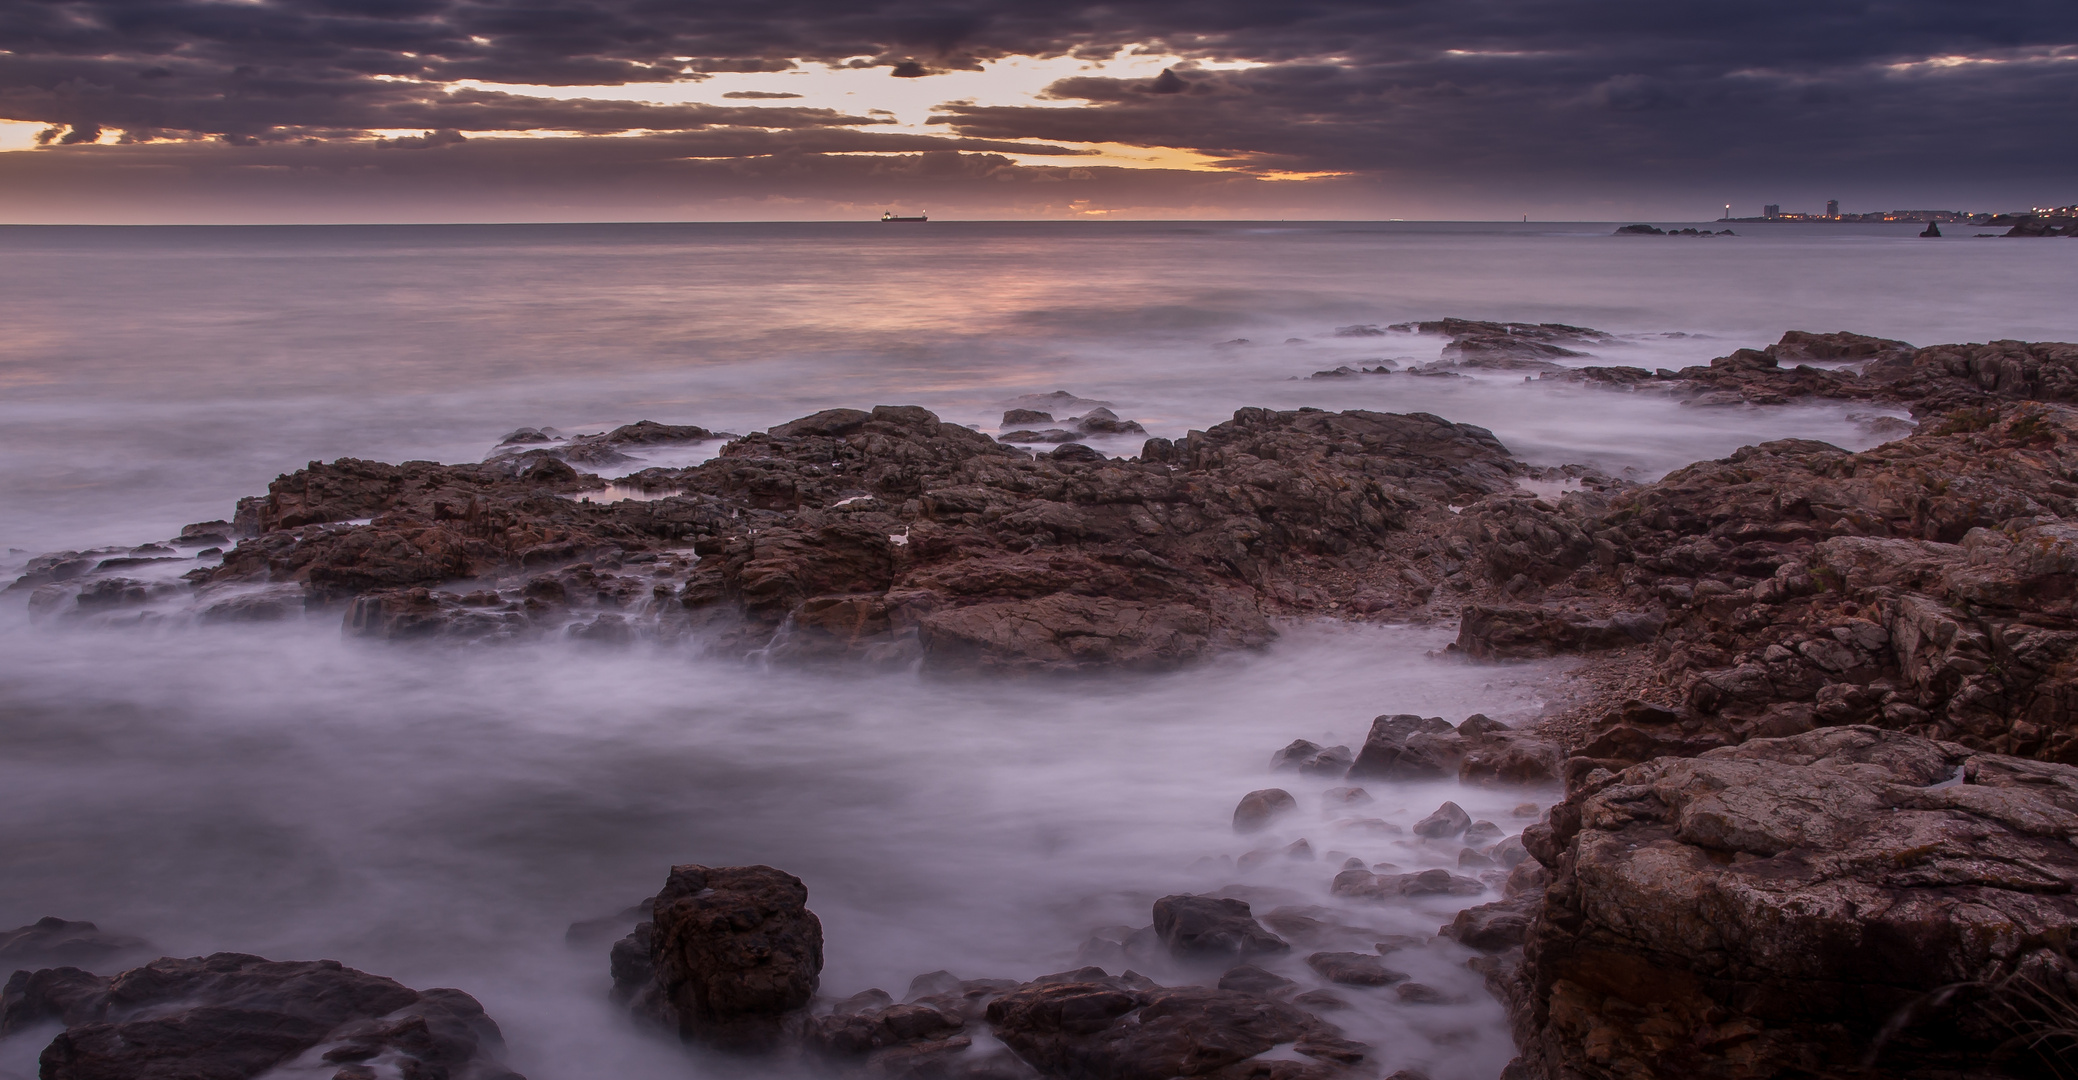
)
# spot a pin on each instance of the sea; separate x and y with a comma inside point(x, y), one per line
point(443, 816)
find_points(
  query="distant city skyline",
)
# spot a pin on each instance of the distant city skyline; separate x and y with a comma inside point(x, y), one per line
point(455, 110)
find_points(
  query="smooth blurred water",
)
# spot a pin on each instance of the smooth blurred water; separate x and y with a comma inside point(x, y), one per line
point(441, 816)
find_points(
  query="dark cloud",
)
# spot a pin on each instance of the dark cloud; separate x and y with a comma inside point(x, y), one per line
point(1617, 92)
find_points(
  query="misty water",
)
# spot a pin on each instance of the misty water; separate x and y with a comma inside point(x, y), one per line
point(441, 816)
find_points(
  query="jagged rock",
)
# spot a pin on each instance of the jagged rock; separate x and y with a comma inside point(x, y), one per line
point(1700, 902)
point(230, 1016)
point(1258, 809)
point(1510, 632)
point(1392, 750)
point(730, 957)
point(1195, 927)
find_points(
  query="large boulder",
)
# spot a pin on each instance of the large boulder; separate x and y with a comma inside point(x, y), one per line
point(1797, 905)
point(729, 959)
point(230, 1016)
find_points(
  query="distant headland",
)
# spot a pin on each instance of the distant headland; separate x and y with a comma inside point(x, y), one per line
point(2037, 221)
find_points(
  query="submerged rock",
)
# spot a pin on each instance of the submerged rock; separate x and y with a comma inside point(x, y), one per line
point(55, 942)
point(230, 1016)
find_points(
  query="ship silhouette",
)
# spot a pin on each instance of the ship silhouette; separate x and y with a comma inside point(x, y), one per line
point(892, 216)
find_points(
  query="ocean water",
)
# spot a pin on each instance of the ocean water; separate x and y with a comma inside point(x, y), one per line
point(441, 817)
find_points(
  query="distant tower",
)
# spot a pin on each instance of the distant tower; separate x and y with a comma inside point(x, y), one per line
point(1772, 210)
point(1727, 213)
point(1832, 208)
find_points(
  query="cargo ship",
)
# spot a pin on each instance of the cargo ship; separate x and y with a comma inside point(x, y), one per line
point(892, 216)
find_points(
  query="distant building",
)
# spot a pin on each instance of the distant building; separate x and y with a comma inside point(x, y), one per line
point(1832, 208)
point(1772, 210)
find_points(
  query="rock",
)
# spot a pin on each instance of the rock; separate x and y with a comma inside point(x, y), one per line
point(1698, 900)
point(1394, 751)
point(1363, 884)
point(1096, 1031)
point(1312, 759)
point(1354, 969)
point(1512, 633)
point(1449, 820)
point(1320, 1001)
point(1639, 230)
point(1017, 417)
point(1102, 421)
point(732, 954)
point(1493, 927)
point(1338, 797)
point(1251, 979)
point(234, 1016)
point(1050, 435)
point(1258, 809)
point(1195, 927)
point(55, 942)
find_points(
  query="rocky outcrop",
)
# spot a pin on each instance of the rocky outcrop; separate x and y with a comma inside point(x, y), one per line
point(1511, 632)
point(1932, 380)
point(230, 1016)
point(1841, 901)
point(1921, 586)
point(730, 957)
point(884, 535)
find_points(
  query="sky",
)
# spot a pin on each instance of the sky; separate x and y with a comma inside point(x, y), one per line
point(208, 111)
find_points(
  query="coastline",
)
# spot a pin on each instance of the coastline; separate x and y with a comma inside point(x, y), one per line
point(1792, 605)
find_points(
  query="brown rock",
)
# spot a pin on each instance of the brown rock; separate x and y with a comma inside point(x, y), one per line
point(233, 1016)
point(1258, 809)
point(732, 955)
point(1699, 902)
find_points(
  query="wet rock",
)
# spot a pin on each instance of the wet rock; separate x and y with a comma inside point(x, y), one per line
point(1698, 900)
point(731, 955)
point(1407, 747)
point(1251, 979)
point(1336, 798)
point(1018, 417)
point(1363, 884)
point(1449, 820)
point(1493, 927)
point(1204, 927)
point(1321, 1001)
point(1258, 809)
point(1354, 969)
point(234, 1016)
point(1514, 633)
point(55, 942)
point(1312, 759)
point(1095, 1031)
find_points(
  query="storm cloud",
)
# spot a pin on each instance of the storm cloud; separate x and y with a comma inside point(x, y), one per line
point(1909, 98)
